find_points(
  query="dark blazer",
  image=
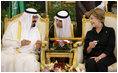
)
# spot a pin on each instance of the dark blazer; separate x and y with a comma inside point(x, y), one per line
point(106, 42)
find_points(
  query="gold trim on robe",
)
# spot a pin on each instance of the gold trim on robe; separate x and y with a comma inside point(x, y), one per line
point(19, 31)
point(72, 31)
point(40, 32)
point(19, 35)
point(55, 35)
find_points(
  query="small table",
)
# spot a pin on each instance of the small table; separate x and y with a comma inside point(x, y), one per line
point(59, 53)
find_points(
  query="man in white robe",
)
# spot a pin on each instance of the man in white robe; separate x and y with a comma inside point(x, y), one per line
point(63, 24)
point(20, 42)
point(62, 28)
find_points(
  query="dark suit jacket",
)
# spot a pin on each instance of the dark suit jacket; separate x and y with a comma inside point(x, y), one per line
point(81, 8)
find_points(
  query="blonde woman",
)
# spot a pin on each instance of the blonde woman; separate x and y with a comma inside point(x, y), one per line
point(99, 43)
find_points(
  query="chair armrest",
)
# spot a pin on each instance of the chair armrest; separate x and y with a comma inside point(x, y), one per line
point(77, 44)
point(75, 48)
point(45, 44)
point(44, 47)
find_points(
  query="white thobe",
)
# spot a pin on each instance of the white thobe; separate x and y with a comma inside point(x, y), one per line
point(12, 61)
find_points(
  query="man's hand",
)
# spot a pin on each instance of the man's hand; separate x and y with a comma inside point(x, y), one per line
point(25, 42)
point(38, 44)
point(87, 14)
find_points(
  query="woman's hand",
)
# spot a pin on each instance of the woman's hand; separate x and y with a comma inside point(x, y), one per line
point(25, 42)
point(96, 58)
point(38, 44)
point(91, 46)
point(103, 55)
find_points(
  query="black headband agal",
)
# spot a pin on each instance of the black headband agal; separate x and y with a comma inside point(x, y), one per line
point(62, 16)
point(31, 12)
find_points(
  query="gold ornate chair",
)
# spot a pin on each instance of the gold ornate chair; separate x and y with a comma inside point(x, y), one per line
point(110, 21)
point(43, 24)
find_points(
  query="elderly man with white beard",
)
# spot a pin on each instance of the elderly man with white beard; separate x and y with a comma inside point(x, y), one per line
point(20, 42)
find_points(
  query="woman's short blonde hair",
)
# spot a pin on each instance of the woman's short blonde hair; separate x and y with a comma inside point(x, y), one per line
point(98, 13)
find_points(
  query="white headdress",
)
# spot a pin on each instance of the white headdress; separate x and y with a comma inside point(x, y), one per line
point(65, 31)
point(26, 21)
